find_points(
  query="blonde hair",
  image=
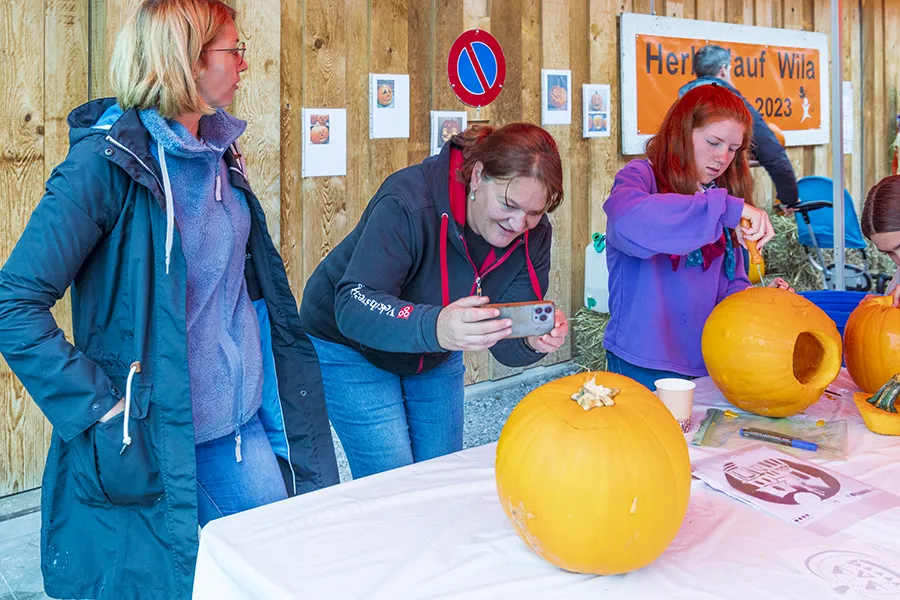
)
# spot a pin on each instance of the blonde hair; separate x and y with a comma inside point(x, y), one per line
point(157, 51)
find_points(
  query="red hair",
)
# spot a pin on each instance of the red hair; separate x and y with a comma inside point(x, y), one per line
point(514, 150)
point(671, 150)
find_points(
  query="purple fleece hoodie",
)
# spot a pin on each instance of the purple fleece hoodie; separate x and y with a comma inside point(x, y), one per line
point(657, 314)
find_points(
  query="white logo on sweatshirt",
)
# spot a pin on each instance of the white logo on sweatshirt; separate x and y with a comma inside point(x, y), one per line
point(374, 305)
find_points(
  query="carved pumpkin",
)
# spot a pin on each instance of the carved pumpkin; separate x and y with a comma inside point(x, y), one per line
point(385, 95)
point(880, 411)
point(318, 134)
point(449, 128)
point(597, 484)
point(598, 122)
point(770, 351)
point(322, 119)
point(558, 96)
point(597, 102)
point(872, 342)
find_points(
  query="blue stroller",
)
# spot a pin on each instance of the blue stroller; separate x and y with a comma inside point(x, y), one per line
point(815, 229)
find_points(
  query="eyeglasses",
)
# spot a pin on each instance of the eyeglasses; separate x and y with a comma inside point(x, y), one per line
point(238, 52)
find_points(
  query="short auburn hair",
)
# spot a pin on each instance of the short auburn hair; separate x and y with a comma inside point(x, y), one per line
point(514, 150)
point(671, 150)
point(155, 59)
point(881, 212)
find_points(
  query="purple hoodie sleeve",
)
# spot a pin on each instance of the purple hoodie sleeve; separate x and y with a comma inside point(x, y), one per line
point(642, 223)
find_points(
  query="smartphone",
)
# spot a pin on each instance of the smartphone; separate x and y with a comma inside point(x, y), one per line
point(528, 318)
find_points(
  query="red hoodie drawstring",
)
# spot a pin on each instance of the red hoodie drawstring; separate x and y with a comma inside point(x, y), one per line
point(535, 284)
point(445, 280)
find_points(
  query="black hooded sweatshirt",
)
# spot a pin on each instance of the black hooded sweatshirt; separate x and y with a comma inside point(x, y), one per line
point(380, 290)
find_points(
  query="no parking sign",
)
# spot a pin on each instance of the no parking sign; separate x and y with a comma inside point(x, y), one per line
point(476, 68)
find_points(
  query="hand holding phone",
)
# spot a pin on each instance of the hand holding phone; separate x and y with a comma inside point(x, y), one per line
point(528, 319)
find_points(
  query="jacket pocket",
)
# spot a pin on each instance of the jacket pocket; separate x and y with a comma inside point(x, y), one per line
point(108, 474)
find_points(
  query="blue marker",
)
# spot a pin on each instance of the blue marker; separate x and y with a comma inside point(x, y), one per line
point(777, 438)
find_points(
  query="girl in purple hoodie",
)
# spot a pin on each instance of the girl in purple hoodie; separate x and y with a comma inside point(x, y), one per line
point(672, 234)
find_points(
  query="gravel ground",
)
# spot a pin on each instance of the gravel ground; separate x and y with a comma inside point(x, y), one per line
point(487, 406)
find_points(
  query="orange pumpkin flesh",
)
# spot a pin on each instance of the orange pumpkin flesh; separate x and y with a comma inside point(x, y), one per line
point(880, 412)
point(602, 490)
point(872, 342)
point(770, 351)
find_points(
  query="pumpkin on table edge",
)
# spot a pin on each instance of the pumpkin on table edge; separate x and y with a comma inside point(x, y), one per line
point(770, 351)
point(593, 472)
point(879, 410)
point(872, 342)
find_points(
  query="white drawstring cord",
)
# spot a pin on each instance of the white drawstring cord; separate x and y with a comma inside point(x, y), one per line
point(218, 185)
point(126, 439)
point(170, 207)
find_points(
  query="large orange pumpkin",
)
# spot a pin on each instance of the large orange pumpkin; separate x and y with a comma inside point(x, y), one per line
point(770, 351)
point(872, 342)
point(595, 485)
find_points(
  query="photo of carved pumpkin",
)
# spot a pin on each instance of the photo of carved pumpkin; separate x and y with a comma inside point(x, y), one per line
point(321, 120)
point(318, 134)
point(385, 95)
point(558, 97)
point(449, 128)
point(872, 342)
point(598, 123)
point(771, 352)
point(593, 473)
point(597, 102)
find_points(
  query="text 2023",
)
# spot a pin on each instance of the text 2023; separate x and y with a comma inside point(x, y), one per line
point(774, 107)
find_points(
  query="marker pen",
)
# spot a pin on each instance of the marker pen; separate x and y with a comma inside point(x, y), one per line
point(777, 438)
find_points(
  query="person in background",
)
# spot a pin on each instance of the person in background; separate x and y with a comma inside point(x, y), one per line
point(189, 390)
point(672, 236)
point(712, 65)
point(392, 307)
point(881, 224)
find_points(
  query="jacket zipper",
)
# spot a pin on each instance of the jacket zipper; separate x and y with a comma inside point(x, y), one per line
point(135, 157)
point(476, 286)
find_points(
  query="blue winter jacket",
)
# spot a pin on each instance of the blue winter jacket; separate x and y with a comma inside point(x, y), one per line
point(122, 524)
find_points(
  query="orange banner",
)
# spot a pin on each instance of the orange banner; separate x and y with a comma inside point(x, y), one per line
point(782, 83)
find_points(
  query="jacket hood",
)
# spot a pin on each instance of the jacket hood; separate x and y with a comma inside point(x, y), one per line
point(82, 120)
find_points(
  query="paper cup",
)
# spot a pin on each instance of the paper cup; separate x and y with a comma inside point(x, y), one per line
point(678, 396)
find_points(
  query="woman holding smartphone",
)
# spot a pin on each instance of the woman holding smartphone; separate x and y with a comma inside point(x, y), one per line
point(393, 306)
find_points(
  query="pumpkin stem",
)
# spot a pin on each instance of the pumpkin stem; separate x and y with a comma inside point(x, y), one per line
point(593, 394)
point(888, 396)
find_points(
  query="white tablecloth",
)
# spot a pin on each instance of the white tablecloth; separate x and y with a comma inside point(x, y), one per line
point(436, 530)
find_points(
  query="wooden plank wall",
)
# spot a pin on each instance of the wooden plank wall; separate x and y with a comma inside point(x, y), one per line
point(318, 53)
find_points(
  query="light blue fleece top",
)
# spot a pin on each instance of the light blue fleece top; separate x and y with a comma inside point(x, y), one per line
point(213, 221)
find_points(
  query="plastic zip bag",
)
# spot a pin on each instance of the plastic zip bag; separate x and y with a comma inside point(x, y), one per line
point(718, 430)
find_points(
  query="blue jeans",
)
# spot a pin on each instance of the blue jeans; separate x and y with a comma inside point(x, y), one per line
point(642, 375)
point(225, 486)
point(385, 421)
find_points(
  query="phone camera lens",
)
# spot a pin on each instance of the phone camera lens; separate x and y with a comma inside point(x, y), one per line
point(537, 310)
point(548, 310)
point(543, 317)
